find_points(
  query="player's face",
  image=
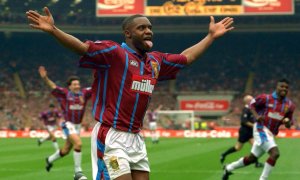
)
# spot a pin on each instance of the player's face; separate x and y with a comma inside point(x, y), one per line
point(140, 33)
point(75, 86)
point(282, 89)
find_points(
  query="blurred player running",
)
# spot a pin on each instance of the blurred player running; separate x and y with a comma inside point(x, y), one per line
point(152, 119)
point(50, 119)
point(270, 111)
point(72, 101)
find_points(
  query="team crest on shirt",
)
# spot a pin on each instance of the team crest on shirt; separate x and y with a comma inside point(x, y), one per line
point(143, 84)
point(286, 109)
point(155, 68)
point(270, 105)
point(134, 63)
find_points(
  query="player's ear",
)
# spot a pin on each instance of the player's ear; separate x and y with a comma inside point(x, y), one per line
point(127, 34)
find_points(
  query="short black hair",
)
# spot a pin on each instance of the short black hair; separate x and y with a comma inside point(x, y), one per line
point(283, 80)
point(71, 79)
point(129, 20)
point(51, 105)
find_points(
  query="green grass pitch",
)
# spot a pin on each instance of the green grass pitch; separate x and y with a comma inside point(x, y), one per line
point(171, 159)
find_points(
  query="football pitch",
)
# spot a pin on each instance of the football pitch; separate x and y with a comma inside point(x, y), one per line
point(171, 159)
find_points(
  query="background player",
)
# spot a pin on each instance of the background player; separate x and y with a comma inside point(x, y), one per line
point(125, 76)
point(73, 102)
point(50, 119)
point(270, 111)
point(245, 131)
point(152, 119)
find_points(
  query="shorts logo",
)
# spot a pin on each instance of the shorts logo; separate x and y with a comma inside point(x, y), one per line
point(143, 84)
point(113, 162)
point(134, 63)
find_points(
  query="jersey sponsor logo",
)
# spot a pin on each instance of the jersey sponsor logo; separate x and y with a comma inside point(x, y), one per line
point(134, 63)
point(75, 107)
point(275, 115)
point(142, 84)
point(270, 105)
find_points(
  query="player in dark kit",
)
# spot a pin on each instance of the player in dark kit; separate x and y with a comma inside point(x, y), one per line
point(72, 101)
point(50, 119)
point(245, 131)
point(270, 111)
point(124, 78)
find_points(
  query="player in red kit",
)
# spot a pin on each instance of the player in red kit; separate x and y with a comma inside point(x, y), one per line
point(50, 119)
point(72, 101)
point(270, 111)
point(124, 78)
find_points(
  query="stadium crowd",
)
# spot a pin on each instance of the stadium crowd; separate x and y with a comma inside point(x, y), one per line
point(240, 62)
point(225, 69)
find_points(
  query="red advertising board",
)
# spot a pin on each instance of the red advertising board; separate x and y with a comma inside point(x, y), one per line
point(217, 133)
point(268, 6)
point(119, 7)
point(205, 105)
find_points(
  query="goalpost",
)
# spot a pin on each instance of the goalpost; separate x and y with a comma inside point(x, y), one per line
point(176, 119)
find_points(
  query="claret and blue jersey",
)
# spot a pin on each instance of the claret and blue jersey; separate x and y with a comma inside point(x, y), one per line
point(124, 81)
point(273, 110)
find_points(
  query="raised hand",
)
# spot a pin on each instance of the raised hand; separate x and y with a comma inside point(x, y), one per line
point(38, 21)
point(42, 71)
point(219, 29)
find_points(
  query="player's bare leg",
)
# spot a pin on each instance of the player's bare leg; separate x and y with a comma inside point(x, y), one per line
point(270, 163)
point(58, 154)
point(54, 141)
point(135, 175)
point(139, 175)
point(242, 162)
point(77, 145)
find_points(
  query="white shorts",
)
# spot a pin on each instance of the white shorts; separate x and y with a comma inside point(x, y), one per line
point(70, 128)
point(51, 128)
point(152, 126)
point(120, 153)
point(263, 140)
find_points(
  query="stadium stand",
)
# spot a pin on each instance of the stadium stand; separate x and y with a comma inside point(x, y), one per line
point(263, 55)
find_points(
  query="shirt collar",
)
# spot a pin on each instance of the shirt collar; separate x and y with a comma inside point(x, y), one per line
point(125, 46)
point(275, 96)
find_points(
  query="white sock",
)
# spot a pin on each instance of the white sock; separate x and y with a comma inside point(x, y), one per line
point(267, 170)
point(236, 164)
point(77, 161)
point(54, 157)
point(43, 139)
point(55, 145)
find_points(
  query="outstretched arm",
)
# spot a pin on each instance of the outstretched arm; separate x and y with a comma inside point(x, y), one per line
point(46, 24)
point(215, 30)
point(43, 74)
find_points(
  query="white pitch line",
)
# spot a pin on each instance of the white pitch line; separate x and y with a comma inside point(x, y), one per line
point(218, 172)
